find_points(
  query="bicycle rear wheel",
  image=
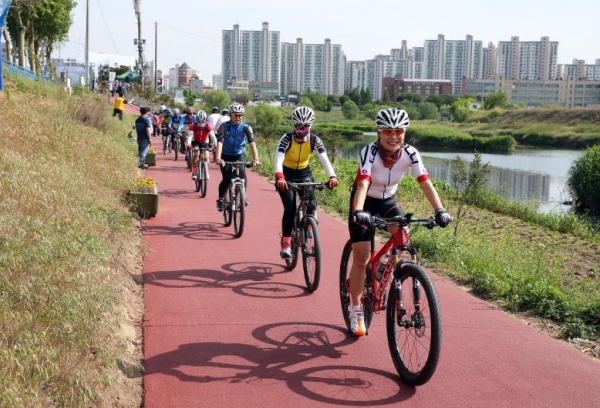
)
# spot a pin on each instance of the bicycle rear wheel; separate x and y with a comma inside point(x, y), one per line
point(227, 204)
point(344, 282)
point(203, 177)
point(311, 253)
point(239, 211)
point(414, 331)
point(176, 148)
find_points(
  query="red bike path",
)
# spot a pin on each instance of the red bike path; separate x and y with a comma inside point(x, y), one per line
point(226, 325)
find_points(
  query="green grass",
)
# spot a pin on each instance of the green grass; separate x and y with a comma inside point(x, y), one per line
point(64, 232)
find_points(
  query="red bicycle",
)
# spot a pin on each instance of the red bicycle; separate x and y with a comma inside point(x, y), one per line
point(413, 316)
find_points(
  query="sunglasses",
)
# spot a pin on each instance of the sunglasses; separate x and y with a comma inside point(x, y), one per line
point(301, 127)
point(237, 115)
point(392, 132)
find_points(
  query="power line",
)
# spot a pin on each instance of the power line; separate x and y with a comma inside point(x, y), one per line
point(183, 31)
point(107, 28)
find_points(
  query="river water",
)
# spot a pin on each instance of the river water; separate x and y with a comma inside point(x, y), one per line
point(533, 176)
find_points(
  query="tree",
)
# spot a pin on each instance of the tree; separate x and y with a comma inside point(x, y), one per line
point(584, 181)
point(427, 110)
point(217, 97)
point(350, 110)
point(469, 184)
point(39, 25)
point(495, 100)
point(267, 119)
point(305, 101)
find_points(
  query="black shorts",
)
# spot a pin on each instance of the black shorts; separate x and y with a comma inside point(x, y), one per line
point(384, 208)
point(200, 144)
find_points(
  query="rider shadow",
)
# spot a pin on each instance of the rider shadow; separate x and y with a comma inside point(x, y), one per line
point(212, 362)
point(191, 230)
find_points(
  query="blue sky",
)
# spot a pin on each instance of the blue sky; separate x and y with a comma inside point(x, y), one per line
point(190, 30)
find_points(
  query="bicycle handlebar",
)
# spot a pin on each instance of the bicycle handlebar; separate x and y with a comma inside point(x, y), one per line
point(238, 164)
point(305, 185)
point(402, 221)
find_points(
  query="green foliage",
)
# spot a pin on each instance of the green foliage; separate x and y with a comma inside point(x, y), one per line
point(350, 110)
point(495, 100)
point(217, 97)
point(470, 183)
point(428, 110)
point(267, 119)
point(584, 181)
point(306, 101)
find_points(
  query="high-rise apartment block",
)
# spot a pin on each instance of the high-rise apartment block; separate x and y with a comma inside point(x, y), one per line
point(274, 67)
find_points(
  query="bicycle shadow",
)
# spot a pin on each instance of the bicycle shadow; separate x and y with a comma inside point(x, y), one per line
point(191, 230)
point(247, 279)
point(292, 343)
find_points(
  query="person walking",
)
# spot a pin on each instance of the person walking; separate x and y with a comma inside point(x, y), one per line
point(143, 128)
point(119, 107)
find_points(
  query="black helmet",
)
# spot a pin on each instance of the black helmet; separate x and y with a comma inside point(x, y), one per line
point(215, 109)
point(225, 112)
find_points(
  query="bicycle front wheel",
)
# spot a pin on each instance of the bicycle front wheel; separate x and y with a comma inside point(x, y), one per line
point(311, 253)
point(203, 177)
point(227, 204)
point(164, 139)
point(177, 148)
point(414, 325)
point(290, 263)
point(239, 211)
point(344, 285)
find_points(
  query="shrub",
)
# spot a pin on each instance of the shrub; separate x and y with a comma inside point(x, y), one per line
point(584, 181)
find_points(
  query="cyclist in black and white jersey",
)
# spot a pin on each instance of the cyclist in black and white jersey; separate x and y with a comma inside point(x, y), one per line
point(381, 167)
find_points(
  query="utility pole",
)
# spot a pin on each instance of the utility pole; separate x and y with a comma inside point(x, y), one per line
point(141, 63)
point(155, 56)
point(87, 43)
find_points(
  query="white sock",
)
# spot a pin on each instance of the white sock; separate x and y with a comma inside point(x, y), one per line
point(357, 308)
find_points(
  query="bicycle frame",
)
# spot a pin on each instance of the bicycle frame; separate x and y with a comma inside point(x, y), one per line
point(398, 243)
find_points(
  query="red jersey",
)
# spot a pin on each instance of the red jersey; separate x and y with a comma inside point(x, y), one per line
point(201, 132)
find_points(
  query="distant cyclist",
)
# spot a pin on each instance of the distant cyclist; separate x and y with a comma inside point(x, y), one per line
point(188, 119)
point(224, 118)
point(381, 167)
point(232, 138)
point(292, 164)
point(204, 137)
point(214, 117)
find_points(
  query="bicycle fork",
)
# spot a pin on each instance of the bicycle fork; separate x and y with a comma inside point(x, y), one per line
point(416, 320)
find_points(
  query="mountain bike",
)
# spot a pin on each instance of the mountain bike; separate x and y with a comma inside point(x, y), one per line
point(166, 139)
point(305, 235)
point(177, 143)
point(412, 310)
point(234, 202)
point(202, 175)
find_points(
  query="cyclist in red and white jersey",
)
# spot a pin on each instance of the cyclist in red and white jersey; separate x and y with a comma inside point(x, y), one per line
point(381, 167)
point(203, 136)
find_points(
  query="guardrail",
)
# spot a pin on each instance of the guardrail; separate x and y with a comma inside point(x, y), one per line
point(14, 69)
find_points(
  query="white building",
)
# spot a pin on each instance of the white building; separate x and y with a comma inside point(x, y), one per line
point(250, 55)
point(517, 59)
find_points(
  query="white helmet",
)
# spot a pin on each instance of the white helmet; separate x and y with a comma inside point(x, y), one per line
point(201, 116)
point(392, 118)
point(303, 115)
point(236, 108)
point(176, 111)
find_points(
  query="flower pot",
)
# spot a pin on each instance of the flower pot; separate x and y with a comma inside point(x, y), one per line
point(144, 204)
point(151, 159)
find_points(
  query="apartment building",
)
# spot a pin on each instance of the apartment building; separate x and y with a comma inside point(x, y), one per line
point(536, 60)
point(250, 55)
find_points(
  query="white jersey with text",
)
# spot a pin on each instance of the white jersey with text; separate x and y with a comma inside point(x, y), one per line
point(383, 179)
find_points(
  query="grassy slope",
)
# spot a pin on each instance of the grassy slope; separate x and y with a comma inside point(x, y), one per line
point(66, 242)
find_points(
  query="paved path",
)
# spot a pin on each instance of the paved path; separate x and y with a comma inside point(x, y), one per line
point(226, 325)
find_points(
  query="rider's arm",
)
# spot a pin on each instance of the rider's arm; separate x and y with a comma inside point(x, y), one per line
point(323, 158)
point(431, 194)
point(360, 194)
point(282, 147)
point(212, 138)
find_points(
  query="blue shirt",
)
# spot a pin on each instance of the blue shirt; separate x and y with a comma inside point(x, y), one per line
point(141, 124)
